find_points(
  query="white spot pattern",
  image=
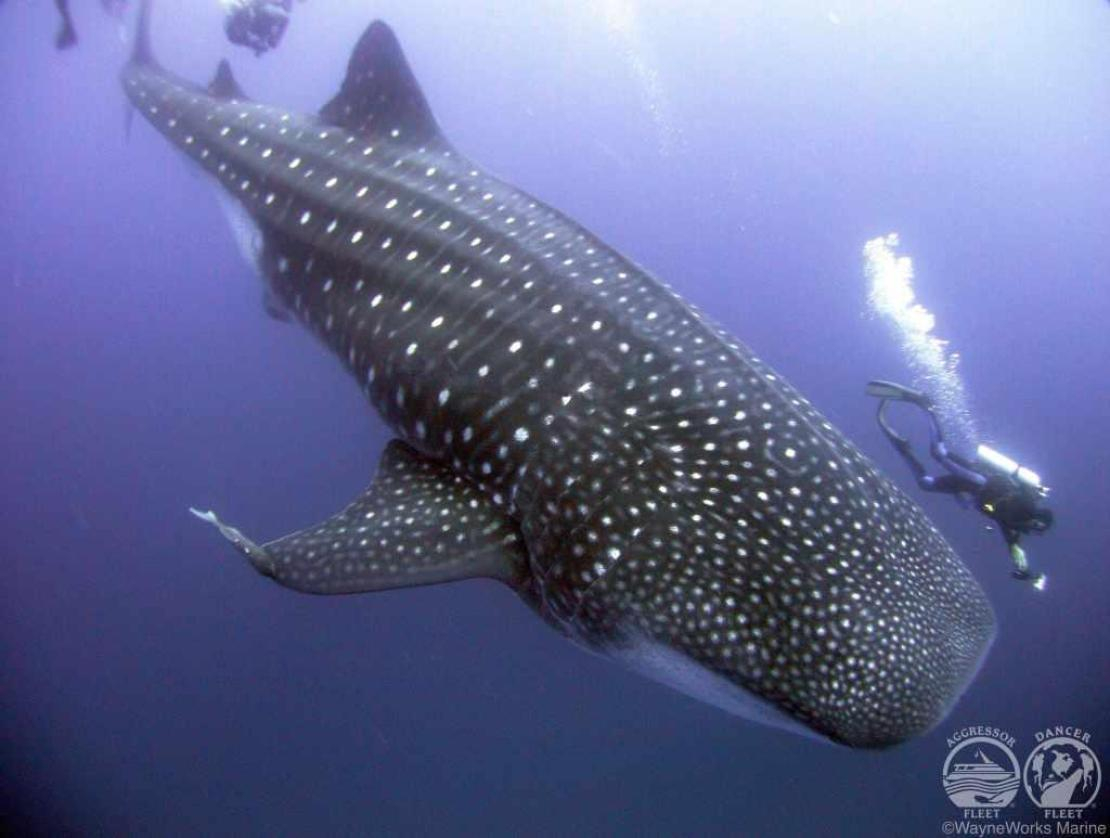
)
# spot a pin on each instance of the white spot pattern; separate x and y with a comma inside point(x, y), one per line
point(664, 481)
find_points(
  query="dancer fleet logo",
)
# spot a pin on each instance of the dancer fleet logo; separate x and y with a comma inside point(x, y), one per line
point(1062, 774)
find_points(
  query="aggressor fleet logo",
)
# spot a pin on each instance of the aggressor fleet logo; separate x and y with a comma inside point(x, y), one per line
point(981, 771)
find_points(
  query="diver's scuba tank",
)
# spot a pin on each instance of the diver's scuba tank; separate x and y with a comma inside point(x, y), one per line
point(1001, 464)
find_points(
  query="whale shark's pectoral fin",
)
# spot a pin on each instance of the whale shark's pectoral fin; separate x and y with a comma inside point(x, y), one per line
point(418, 523)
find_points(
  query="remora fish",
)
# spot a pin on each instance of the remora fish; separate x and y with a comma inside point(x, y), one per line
point(568, 425)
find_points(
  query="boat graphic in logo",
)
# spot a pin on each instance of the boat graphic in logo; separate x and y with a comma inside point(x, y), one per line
point(981, 773)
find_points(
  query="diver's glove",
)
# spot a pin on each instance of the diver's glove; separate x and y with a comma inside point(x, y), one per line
point(1021, 569)
point(1037, 580)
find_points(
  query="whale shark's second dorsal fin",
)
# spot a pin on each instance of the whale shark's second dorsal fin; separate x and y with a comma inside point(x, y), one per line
point(380, 96)
point(224, 85)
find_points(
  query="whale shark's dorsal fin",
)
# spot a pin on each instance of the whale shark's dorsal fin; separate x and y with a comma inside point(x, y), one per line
point(380, 96)
point(418, 523)
point(224, 85)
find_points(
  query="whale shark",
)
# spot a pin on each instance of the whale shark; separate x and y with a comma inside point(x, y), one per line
point(568, 426)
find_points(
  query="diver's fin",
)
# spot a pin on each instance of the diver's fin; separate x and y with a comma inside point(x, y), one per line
point(224, 85)
point(380, 96)
point(897, 392)
point(418, 523)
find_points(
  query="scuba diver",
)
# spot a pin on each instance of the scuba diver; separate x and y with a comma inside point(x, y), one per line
point(1004, 491)
point(257, 24)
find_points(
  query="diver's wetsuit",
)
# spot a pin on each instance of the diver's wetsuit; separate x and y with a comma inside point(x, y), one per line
point(1001, 497)
point(962, 477)
point(1010, 505)
point(257, 24)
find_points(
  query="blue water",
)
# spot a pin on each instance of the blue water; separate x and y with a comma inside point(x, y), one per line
point(744, 152)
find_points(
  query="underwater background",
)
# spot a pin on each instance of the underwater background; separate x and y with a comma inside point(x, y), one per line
point(744, 152)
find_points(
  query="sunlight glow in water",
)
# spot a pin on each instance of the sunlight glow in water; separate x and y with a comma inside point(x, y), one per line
point(621, 18)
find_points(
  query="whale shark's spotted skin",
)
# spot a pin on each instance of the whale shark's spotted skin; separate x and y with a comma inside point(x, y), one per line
point(647, 484)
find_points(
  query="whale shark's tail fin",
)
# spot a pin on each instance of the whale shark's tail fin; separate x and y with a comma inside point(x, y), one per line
point(417, 524)
point(140, 50)
point(141, 56)
point(380, 97)
point(67, 35)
